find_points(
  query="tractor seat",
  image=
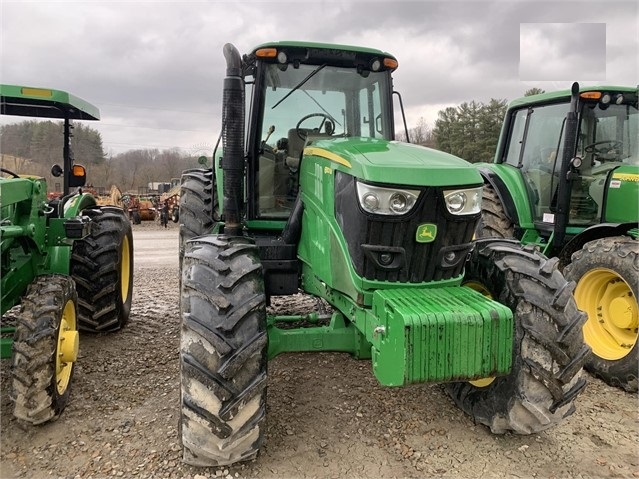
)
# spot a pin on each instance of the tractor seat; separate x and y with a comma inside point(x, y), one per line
point(296, 145)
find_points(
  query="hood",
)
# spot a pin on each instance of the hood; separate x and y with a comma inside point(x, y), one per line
point(394, 162)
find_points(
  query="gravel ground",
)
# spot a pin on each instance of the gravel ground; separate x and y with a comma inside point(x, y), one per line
point(326, 415)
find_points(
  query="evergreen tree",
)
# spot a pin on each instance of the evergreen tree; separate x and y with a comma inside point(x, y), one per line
point(471, 130)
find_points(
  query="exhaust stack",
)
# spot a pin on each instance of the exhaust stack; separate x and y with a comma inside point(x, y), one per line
point(233, 142)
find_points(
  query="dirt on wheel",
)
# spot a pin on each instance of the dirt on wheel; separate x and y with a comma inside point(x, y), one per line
point(326, 415)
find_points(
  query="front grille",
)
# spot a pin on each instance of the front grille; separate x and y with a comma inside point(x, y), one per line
point(384, 248)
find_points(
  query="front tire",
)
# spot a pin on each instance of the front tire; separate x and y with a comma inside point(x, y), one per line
point(548, 351)
point(45, 348)
point(102, 267)
point(223, 351)
point(199, 206)
point(607, 275)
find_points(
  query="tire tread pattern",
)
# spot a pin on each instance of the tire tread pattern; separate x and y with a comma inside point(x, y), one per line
point(548, 351)
point(223, 351)
point(96, 269)
point(34, 392)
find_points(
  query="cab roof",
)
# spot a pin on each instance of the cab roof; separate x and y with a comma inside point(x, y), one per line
point(565, 94)
point(325, 46)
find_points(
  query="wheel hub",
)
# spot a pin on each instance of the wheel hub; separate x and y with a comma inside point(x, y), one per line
point(611, 329)
point(69, 346)
point(623, 312)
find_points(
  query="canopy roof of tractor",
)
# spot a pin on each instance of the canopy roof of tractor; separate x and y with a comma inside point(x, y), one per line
point(45, 103)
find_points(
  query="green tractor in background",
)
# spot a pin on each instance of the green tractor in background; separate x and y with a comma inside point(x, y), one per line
point(566, 178)
point(316, 196)
point(67, 264)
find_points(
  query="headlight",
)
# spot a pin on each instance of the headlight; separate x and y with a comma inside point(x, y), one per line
point(385, 201)
point(463, 202)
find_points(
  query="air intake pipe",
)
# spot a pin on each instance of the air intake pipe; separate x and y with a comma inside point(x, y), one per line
point(564, 186)
point(233, 142)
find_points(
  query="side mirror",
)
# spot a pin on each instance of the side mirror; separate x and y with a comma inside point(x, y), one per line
point(56, 170)
point(203, 160)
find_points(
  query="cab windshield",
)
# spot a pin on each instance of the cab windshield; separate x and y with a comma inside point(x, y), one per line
point(310, 102)
point(349, 104)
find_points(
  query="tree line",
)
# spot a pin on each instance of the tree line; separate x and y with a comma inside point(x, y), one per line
point(33, 147)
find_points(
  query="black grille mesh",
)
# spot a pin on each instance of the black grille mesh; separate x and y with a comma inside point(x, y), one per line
point(369, 237)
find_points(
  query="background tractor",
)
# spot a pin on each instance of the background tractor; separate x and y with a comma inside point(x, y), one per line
point(566, 178)
point(316, 196)
point(67, 264)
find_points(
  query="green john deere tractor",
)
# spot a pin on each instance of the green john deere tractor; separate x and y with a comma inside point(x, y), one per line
point(316, 196)
point(67, 264)
point(566, 178)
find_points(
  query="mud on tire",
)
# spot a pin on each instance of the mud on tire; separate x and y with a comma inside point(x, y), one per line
point(42, 364)
point(548, 350)
point(102, 267)
point(223, 351)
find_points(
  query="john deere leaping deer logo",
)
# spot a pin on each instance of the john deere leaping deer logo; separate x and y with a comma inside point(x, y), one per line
point(426, 233)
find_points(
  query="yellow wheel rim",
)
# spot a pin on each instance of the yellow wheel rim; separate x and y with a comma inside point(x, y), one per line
point(479, 287)
point(68, 346)
point(125, 269)
point(613, 318)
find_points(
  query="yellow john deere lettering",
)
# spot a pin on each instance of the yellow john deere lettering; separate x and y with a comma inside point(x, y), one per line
point(625, 176)
point(426, 233)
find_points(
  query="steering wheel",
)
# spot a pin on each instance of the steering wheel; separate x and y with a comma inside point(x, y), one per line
point(613, 145)
point(9, 172)
point(328, 122)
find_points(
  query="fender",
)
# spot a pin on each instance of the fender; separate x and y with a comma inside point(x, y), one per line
point(602, 230)
point(59, 257)
point(74, 205)
point(503, 193)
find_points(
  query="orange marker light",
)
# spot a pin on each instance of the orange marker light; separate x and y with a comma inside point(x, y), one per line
point(266, 53)
point(390, 63)
point(591, 95)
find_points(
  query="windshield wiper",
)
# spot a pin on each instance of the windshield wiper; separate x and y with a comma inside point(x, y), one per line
point(308, 77)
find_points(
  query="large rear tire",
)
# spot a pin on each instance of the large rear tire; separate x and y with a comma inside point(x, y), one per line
point(45, 348)
point(102, 267)
point(607, 275)
point(223, 351)
point(493, 223)
point(548, 350)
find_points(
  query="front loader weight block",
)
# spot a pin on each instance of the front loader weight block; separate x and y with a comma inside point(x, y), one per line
point(439, 335)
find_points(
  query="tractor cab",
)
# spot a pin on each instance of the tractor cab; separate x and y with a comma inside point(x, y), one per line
point(606, 143)
point(301, 93)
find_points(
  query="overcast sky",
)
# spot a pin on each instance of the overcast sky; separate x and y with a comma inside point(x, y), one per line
point(155, 68)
